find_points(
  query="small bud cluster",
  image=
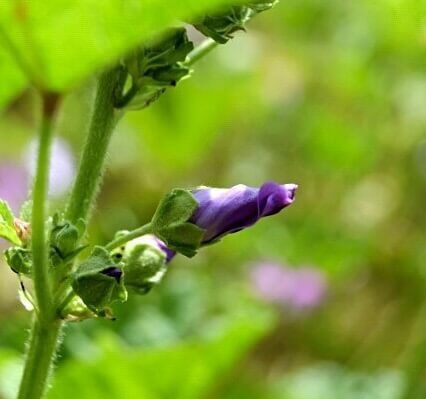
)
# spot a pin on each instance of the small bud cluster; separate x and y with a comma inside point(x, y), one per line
point(161, 63)
point(221, 26)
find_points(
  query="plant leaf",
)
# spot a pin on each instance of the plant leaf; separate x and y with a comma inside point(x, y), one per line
point(7, 227)
point(59, 43)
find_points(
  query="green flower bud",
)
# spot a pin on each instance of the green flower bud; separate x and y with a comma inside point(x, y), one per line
point(19, 260)
point(144, 264)
point(64, 238)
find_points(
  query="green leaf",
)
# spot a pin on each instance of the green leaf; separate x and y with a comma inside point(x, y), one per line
point(170, 222)
point(94, 285)
point(7, 226)
point(59, 43)
point(188, 370)
point(13, 79)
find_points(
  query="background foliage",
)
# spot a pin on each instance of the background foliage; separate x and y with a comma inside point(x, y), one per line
point(330, 95)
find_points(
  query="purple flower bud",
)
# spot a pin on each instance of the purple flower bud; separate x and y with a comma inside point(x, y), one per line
point(152, 240)
point(223, 211)
point(114, 272)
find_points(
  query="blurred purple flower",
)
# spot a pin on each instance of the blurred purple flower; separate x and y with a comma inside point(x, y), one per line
point(13, 185)
point(62, 169)
point(299, 289)
point(228, 210)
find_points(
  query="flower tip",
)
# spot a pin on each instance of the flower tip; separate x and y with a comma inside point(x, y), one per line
point(291, 188)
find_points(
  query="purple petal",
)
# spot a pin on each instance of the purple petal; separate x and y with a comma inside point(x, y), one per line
point(167, 251)
point(114, 272)
point(224, 211)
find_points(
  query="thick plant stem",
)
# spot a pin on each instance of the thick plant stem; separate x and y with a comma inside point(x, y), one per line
point(39, 248)
point(102, 124)
point(44, 341)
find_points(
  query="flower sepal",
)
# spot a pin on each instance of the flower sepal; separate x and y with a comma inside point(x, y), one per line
point(99, 281)
point(171, 222)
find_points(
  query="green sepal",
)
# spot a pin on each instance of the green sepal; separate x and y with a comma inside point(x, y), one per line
point(222, 25)
point(97, 289)
point(262, 5)
point(7, 225)
point(184, 238)
point(144, 266)
point(155, 66)
point(19, 260)
point(171, 222)
point(64, 238)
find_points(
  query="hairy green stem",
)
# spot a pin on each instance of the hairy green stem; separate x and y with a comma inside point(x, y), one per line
point(200, 51)
point(44, 340)
point(92, 161)
point(45, 329)
point(145, 229)
point(42, 284)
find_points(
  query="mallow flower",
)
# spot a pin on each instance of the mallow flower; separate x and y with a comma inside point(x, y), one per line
point(223, 211)
point(298, 289)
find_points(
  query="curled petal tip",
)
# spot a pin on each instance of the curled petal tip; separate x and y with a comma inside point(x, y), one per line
point(291, 188)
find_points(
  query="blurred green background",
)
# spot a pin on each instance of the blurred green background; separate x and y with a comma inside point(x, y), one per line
point(327, 94)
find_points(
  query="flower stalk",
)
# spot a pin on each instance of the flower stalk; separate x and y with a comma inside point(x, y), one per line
point(45, 329)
